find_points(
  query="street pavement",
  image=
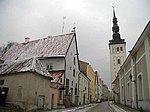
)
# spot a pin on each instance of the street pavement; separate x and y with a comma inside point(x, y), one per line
point(98, 107)
point(83, 108)
point(101, 107)
point(94, 107)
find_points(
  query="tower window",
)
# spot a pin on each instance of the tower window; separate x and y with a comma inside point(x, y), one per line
point(119, 61)
point(117, 48)
point(121, 49)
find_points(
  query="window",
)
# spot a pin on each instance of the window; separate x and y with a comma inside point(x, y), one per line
point(74, 61)
point(19, 92)
point(67, 86)
point(60, 95)
point(121, 49)
point(74, 72)
point(70, 67)
point(1, 82)
point(128, 92)
point(72, 83)
point(118, 61)
point(117, 48)
point(140, 92)
point(76, 89)
point(49, 67)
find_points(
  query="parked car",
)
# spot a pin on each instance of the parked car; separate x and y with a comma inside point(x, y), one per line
point(99, 100)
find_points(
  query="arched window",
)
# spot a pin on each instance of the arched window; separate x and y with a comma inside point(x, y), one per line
point(121, 49)
point(117, 48)
point(118, 61)
point(140, 86)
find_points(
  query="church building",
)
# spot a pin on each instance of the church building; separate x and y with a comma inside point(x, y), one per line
point(117, 48)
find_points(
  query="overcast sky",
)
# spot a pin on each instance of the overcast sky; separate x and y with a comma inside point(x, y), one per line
point(92, 18)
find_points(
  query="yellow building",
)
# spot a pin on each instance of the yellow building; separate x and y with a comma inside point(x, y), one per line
point(86, 69)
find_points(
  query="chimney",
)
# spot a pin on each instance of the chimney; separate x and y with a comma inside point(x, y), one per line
point(27, 39)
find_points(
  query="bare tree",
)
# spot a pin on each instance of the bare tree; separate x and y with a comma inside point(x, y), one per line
point(4, 47)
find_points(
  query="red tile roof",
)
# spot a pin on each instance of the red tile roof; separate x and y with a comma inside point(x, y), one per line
point(56, 75)
point(45, 47)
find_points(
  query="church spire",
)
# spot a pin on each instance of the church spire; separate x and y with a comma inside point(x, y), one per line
point(116, 36)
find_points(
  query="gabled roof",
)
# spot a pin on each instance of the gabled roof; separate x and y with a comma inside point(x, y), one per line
point(45, 47)
point(30, 64)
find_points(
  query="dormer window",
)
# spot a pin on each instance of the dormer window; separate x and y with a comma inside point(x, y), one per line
point(49, 67)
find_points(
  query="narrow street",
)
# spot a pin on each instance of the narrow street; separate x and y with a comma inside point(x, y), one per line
point(101, 107)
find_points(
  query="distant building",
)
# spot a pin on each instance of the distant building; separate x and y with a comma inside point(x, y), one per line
point(83, 89)
point(99, 89)
point(86, 69)
point(105, 92)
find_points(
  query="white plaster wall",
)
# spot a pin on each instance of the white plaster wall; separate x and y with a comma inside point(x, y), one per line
point(114, 55)
point(58, 63)
point(72, 52)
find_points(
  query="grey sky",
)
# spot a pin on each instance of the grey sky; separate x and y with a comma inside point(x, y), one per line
point(93, 19)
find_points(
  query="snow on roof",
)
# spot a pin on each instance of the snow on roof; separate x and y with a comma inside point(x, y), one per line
point(30, 64)
point(45, 47)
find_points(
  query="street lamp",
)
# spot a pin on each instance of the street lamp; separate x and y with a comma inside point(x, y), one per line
point(130, 76)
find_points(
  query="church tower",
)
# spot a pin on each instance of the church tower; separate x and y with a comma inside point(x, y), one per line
point(117, 48)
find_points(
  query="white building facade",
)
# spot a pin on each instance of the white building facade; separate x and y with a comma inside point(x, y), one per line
point(134, 75)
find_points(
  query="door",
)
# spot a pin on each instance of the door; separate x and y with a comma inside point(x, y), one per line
point(52, 101)
point(41, 102)
point(84, 99)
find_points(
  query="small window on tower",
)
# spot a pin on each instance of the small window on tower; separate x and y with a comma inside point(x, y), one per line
point(117, 48)
point(121, 49)
point(119, 61)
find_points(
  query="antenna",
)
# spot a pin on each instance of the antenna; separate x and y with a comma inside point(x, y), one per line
point(63, 26)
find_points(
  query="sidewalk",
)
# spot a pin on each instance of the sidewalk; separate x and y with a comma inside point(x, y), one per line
point(122, 108)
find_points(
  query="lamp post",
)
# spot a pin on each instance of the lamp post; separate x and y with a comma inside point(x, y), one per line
point(130, 76)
